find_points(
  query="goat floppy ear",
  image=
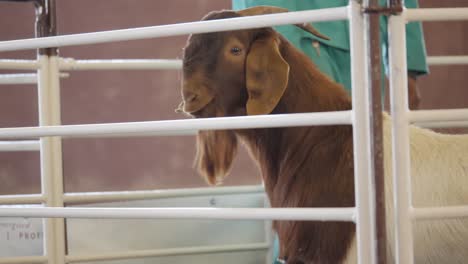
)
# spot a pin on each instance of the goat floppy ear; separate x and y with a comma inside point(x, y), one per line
point(266, 76)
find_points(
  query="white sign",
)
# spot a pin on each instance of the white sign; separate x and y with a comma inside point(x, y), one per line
point(20, 237)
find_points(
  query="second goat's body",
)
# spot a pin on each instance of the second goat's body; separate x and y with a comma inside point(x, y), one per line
point(439, 177)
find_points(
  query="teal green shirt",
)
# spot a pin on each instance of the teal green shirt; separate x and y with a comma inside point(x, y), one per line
point(332, 57)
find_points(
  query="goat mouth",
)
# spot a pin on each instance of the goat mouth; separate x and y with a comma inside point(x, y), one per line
point(207, 111)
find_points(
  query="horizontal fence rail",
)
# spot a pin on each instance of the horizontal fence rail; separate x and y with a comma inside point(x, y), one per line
point(71, 64)
point(18, 78)
point(447, 118)
point(120, 64)
point(442, 124)
point(21, 199)
point(23, 260)
point(310, 214)
point(422, 213)
point(179, 127)
point(191, 126)
point(7, 64)
point(93, 197)
point(24, 145)
point(166, 252)
point(433, 213)
point(447, 60)
point(97, 197)
point(438, 115)
point(436, 14)
point(134, 254)
point(328, 14)
point(23, 78)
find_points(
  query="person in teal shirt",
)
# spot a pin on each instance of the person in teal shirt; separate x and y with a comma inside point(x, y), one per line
point(333, 56)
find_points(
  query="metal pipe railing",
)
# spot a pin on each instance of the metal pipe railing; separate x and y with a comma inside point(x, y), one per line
point(23, 260)
point(438, 115)
point(119, 64)
point(133, 254)
point(24, 145)
point(434, 213)
point(18, 78)
point(443, 124)
point(447, 60)
point(99, 197)
point(364, 190)
point(400, 140)
point(51, 156)
point(23, 78)
point(436, 14)
point(375, 105)
point(71, 64)
point(310, 214)
point(179, 127)
point(95, 197)
point(21, 199)
point(328, 14)
point(7, 64)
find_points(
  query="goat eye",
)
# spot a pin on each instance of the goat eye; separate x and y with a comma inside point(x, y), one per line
point(236, 51)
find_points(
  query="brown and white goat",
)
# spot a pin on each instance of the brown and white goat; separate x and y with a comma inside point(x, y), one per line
point(257, 71)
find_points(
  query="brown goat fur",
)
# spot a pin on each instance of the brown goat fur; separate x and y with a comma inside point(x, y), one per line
point(300, 166)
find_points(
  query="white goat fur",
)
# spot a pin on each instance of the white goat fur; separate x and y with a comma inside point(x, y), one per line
point(439, 177)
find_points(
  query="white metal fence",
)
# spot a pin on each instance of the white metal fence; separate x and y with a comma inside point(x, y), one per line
point(405, 213)
point(51, 131)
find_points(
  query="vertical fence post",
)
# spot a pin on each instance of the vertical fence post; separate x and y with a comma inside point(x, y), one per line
point(50, 147)
point(374, 58)
point(363, 162)
point(400, 140)
point(269, 234)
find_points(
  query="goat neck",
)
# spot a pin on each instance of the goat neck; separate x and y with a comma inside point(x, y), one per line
point(309, 90)
point(307, 166)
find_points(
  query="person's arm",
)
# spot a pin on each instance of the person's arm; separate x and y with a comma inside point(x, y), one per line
point(414, 96)
point(416, 56)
